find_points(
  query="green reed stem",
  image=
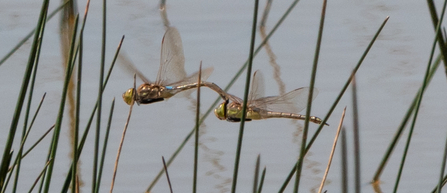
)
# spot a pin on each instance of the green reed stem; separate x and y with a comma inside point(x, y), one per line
point(256, 176)
point(196, 142)
point(26, 78)
point(247, 89)
point(99, 111)
point(261, 182)
point(230, 84)
point(356, 136)
point(424, 84)
point(344, 163)
point(78, 101)
point(37, 142)
point(87, 128)
point(441, 181)
point(309, 99)
point(309, 145)
point(104, 147)
point(58, 125)
point(441, 42)
point(444, 161)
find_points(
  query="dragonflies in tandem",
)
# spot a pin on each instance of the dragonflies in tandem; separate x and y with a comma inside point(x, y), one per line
point(260, 107)
point(171, 78)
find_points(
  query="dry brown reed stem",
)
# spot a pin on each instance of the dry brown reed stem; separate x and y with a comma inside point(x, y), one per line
point(122, 137)
point(167, 174)
point(333, 150)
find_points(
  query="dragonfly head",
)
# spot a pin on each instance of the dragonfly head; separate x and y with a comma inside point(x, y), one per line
point(128, 96)
point(221, 111)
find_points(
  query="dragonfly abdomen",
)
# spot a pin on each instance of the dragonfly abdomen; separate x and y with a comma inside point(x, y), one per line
point(293, 116)
point(186, 87)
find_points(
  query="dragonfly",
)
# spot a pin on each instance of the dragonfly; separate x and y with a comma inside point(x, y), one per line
point(171, 77)
point(260, 107)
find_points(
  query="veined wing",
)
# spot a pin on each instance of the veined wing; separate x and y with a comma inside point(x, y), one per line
point(257, 87)
point(193, 78)
point(172, 59)
point(235, 99)
point(130, 67)
point(291, 102)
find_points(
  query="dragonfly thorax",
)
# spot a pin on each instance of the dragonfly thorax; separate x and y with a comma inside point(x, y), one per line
point(149, 93)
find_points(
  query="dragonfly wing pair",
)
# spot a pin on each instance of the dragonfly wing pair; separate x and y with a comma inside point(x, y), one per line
point(171, 77)
point(260, 107)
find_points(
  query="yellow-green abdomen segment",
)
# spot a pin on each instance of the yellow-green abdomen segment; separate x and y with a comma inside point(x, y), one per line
point(293, 116)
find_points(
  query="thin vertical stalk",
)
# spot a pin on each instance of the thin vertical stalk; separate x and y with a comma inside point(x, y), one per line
point(244, 106)
point(444, 161)
point(261, 182)
point(309, 99)
point(99, 111)
point(441, 41)
point(340, 125)
point(104, 146)
point(256, 176)
point(78, 102)
point(122, 139)
point(58, 125)
point(416, 111)
point(167, 174)
point(196, 142)
point(344, 162)
point(356, 136)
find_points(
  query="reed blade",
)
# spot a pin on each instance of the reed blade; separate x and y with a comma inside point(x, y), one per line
point(309, 99)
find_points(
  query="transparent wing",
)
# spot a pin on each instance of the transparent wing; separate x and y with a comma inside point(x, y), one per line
point(235, 98)
point(193, 78)
point(172, 59)
point(130, 68)
point(291, 102)
point(257, 87)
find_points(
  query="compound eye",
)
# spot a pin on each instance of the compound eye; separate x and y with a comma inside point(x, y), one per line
point(128, 96)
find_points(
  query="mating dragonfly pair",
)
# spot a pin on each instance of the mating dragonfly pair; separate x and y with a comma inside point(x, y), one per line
point(172, 79)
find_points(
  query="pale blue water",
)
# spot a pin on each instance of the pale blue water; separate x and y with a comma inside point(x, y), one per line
point(218, 33)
